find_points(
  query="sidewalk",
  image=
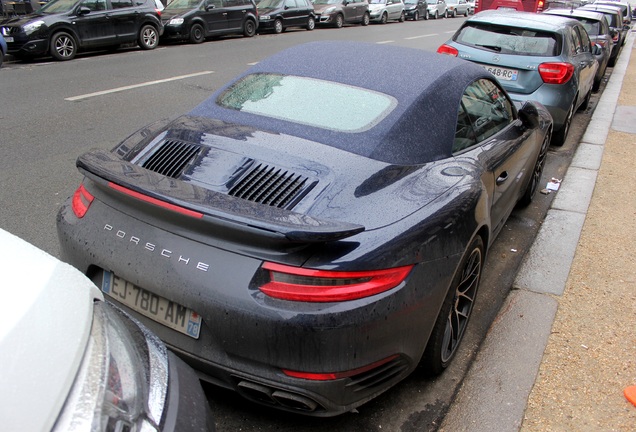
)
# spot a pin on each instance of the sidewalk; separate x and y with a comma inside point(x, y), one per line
point(563, 347)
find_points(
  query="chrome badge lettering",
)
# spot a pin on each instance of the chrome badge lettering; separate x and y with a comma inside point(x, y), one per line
point(151, 247)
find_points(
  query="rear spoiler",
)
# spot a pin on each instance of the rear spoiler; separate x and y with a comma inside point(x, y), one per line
point(217, 208)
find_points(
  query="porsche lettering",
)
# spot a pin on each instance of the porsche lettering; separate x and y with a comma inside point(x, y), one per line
point(151, 247)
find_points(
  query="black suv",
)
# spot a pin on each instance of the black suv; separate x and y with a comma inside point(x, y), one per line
point(62, 27)
point(197, 19)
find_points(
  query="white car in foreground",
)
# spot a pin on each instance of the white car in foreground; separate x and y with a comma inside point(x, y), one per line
point(72, 362)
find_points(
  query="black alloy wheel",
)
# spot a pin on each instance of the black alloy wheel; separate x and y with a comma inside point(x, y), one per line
point(148, 37)
point(402, 17)
point(249, 28)
point(416, 16)
point(197, 34)
point(384, 18)
point(453, 317)
point(311, 23)
point(537, 172)
point(63, 46)
point(366, 19)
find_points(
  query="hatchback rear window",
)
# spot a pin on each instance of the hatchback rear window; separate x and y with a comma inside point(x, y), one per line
point(592, 27)
point(510, 40)
point(308, 101)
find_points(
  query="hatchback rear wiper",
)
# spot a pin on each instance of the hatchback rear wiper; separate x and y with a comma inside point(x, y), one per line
point(490, 47)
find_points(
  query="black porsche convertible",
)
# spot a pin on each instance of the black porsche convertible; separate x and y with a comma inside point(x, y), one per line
point(309, 235)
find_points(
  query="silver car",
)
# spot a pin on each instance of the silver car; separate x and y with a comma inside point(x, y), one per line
point(382, 11)
point(436, 9)
point(545, 58)
point(457, 7)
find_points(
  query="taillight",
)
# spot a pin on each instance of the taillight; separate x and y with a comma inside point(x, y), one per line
point(448, 50)
point(309, 285)
point(156, 202)
point(337, 375)
point(81, 201)
point(158, 12)
point(540, 6)
point(615, 36)
point(556, 73)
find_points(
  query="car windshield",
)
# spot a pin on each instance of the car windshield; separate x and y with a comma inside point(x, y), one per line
point(285, 97)
point(431, 2)
point(183, 4)
point(377, 2)
point(269, 4)
point(57, 6)
point(324, 2)
point(509, 40)
point(411, 1)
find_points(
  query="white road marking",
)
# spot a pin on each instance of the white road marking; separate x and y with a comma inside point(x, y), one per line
point(422, 36)
point(385, 42)
point(134, 86)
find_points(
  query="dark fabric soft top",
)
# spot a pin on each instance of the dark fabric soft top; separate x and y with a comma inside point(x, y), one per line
point(428, 88)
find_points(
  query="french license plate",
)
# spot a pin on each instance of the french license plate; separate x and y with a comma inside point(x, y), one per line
point(155, 307)
point(503, 73)
point(8, 39)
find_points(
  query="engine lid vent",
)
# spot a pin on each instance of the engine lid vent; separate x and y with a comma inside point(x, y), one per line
point(271, 186)
point(172, 158)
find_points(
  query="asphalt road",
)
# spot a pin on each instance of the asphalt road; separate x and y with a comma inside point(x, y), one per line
point(50, 112)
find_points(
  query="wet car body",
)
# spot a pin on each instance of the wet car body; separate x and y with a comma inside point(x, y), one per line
point(436, 9)
point(279, 15)
point(615, 20)
point(535, 56)
point(215, 243)
point(415, 9)
point(197, 20)
point(337, 13)
point(599, 32)
point(382, 11)
point(63, 27)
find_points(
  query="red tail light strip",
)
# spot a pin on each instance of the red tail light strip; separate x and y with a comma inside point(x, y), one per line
point(447, 49)
point(309, 285)
point(556, 73)
point(82, 200)
point(337, 375)
point(154, 201)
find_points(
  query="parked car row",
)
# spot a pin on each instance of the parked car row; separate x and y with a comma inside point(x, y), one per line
point(557, 57)
point(61, 28)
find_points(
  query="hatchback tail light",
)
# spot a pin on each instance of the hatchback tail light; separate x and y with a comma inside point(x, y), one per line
point(556, 73)
point(337, 375)
point(540, 6)
point(82, 200)
point(448, 50)
point(309, 285)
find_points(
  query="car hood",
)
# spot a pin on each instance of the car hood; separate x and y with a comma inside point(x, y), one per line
point(376, 6)
point(167, 15)
point(322, 7)
point(267, 11)
point(230, 172)
point(43, 334)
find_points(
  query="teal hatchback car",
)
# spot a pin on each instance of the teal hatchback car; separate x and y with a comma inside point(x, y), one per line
point(538, 57)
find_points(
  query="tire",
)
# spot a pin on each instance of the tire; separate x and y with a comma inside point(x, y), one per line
point(366, 19)
point(416, 16)
point(384, 18)
point(249, 28)
point(454, 14)
point(436, 15)
point(466, 13)
point(278, 26)
point(197, 33)
point(63, 46)
point(311, 23)
point(445, 13)
point(426, 15)
point(148, 37)
point(559, 137)
point(1, 57)
point(537, 172)
point(586, 101)
point(402, 17)
point(339, 22)
point(453, 317)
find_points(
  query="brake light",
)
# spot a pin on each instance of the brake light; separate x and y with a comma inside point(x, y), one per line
point(309, 285)
point(540, 6)
point(81, 201)
point(556, 73)
point(155, 201)
point(615, 36)
point(448, 50)
point(158, 12)
point(337, 375)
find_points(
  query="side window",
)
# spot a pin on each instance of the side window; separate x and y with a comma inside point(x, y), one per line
point(576, 38)
point(95, 5)
point(486, 109)
point(464, 133)
point(119, 4)
point(585, 39)
point(290, 3)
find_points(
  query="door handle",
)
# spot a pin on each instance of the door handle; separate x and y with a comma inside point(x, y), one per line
point(502, 178)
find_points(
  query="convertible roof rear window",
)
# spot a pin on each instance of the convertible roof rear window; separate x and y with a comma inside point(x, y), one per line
point(309, 101)
point(510, 40)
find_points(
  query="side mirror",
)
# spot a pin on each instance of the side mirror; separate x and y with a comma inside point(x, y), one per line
point(83, 10)
point(626, 27)
point(529, 115)
point(209, 6)
point(596, 49)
